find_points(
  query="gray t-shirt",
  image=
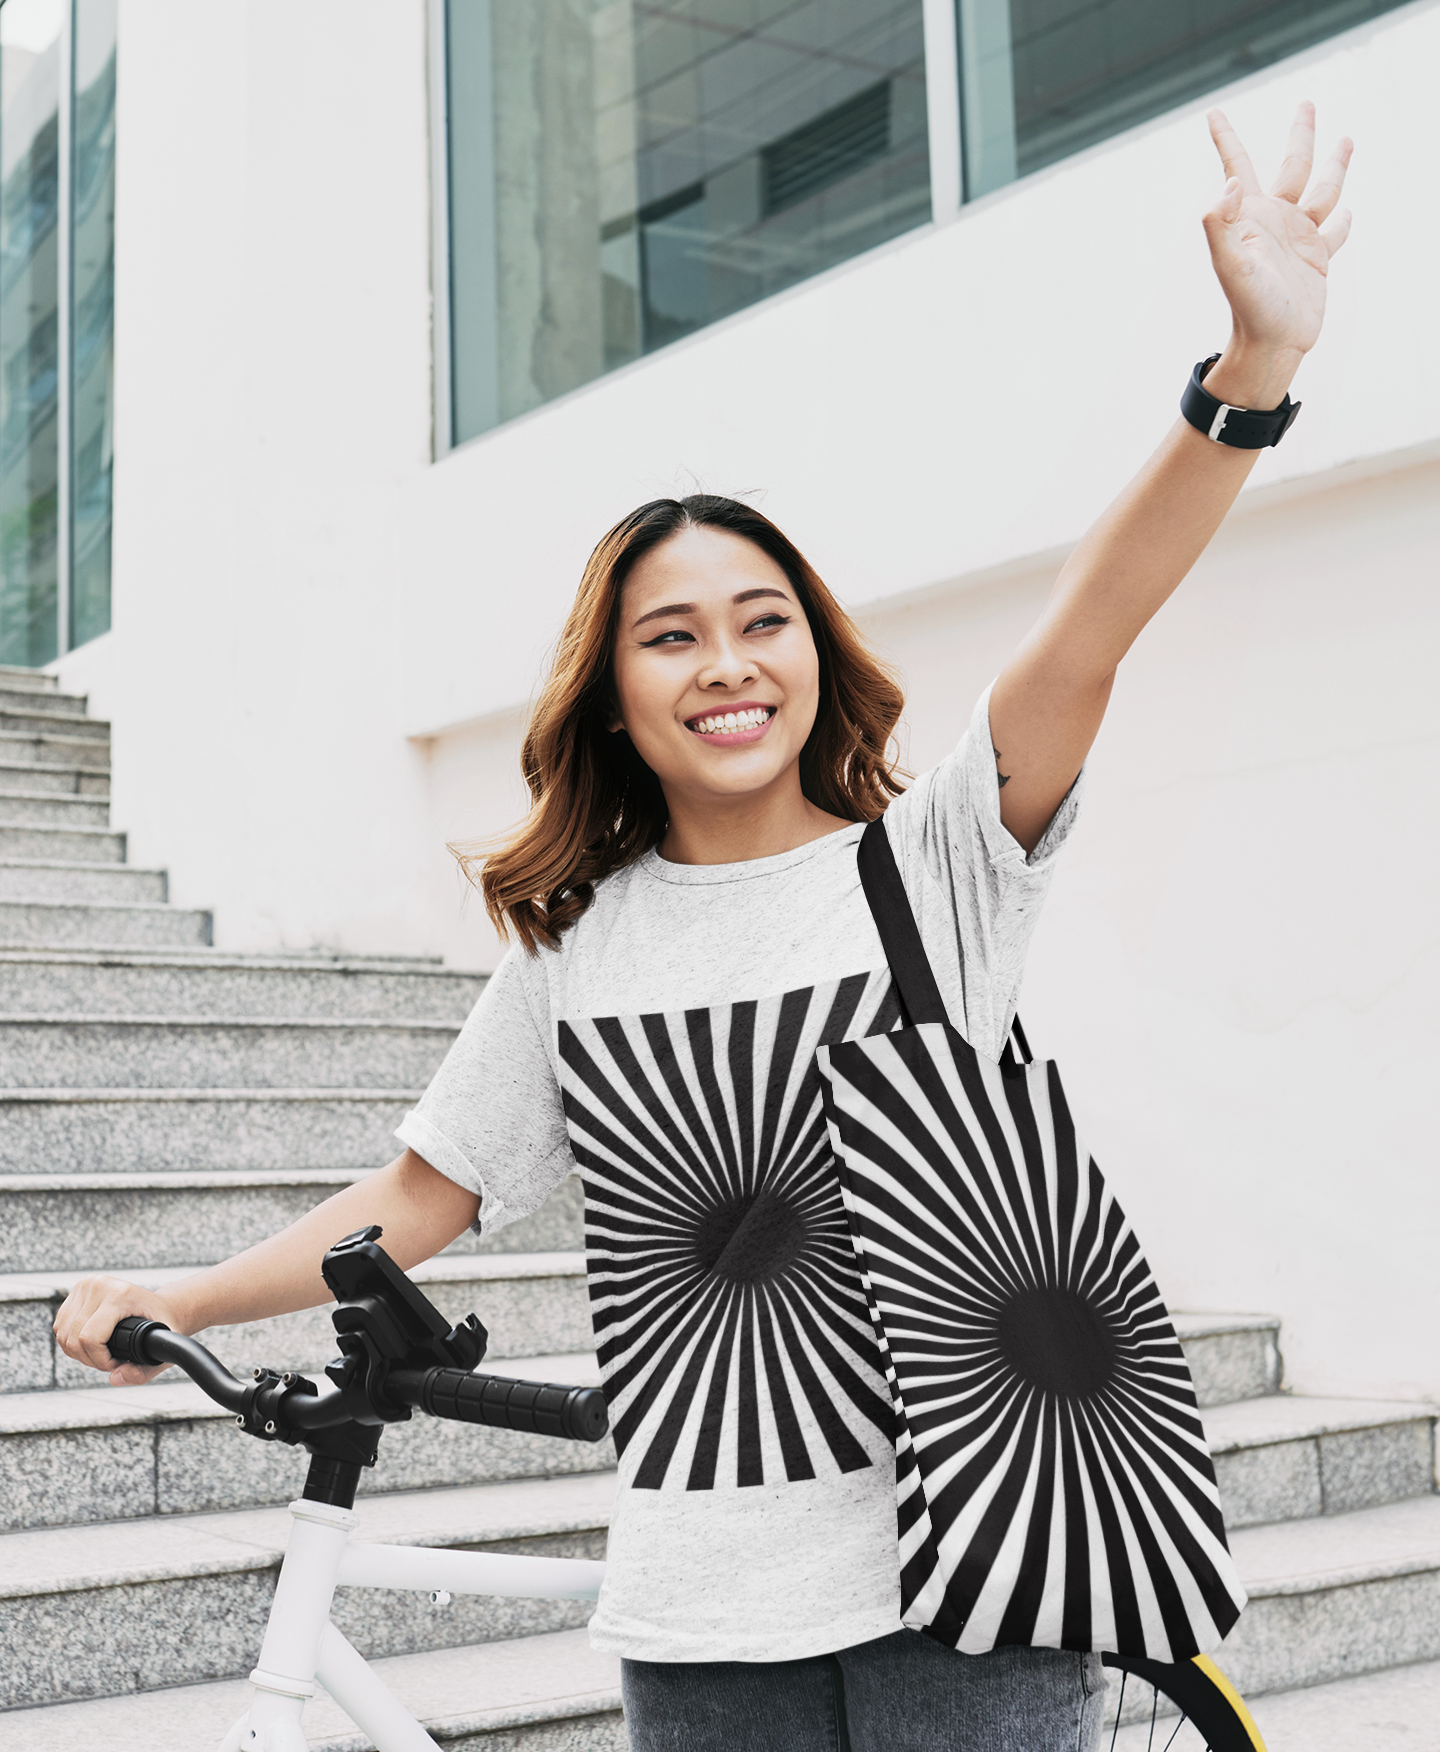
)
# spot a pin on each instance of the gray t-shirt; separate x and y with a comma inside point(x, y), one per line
point(666, 1049)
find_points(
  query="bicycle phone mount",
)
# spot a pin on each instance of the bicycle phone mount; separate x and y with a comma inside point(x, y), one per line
point(397, 1352)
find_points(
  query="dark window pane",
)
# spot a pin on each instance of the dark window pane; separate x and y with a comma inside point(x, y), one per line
point(620, 176)
point(1085, 69)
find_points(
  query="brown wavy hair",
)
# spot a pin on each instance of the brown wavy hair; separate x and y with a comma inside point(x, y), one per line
point(595, 805)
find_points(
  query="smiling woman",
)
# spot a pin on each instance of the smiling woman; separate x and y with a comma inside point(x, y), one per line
point(690, 610)
point(695, 940)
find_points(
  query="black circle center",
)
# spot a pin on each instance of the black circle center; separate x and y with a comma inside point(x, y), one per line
point(1055, 1340)
point(750, 1239)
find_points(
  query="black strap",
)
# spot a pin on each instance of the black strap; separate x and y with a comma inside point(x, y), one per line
point(900, 936)
point(890, 905)
point(1240, 428)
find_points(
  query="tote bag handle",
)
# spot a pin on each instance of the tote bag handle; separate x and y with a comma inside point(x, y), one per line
point(900, 937)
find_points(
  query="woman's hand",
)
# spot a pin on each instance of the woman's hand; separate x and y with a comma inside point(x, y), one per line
point(419, 1208)
point(92, 1311)
point(1271, 252)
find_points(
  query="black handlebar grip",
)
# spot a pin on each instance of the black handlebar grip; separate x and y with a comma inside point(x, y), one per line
point(539, 1407)
point(127, 1342)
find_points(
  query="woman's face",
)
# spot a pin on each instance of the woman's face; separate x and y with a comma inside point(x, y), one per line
point(716, 672)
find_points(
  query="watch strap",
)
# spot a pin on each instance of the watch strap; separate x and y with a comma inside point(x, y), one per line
point(1240, 428)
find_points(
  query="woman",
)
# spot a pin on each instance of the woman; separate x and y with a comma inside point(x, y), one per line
point(691, 927)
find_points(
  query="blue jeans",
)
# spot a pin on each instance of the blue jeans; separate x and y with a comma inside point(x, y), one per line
point(901, 1693)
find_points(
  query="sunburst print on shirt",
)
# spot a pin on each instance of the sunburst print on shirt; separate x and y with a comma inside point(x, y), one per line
point(730, 1319)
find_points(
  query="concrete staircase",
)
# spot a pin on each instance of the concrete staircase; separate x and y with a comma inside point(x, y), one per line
point(163, 1104)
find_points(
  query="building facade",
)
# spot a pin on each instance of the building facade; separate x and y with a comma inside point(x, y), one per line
point(411, 302)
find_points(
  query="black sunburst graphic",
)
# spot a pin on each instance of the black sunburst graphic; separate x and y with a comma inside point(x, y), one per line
point(730, 1320)
point(1053, 1478)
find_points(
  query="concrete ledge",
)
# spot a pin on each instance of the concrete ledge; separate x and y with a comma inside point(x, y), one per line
point(1231, 1356)
point(59, 1223)
point(552, 1691)
point(25, 808)
point(89, 923)
point(530, 1302)
point(137, 1052)
point(221, 1128)
point(138, 1590)
point(201, 984)
point(1284, 1458)
point(79, 781)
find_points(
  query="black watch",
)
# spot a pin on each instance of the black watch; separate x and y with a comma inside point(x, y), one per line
point(1240, 428)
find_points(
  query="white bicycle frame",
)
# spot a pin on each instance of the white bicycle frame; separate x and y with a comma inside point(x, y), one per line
point(302, 1646)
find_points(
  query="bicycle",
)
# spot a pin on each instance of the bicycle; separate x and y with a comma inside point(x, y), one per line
point(398, 1355)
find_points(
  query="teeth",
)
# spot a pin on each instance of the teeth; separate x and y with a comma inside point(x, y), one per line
point(727, 723)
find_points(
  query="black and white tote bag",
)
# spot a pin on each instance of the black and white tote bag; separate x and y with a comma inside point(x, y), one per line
point(1054, 1484)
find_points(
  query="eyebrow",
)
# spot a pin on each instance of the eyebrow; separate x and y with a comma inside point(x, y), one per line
point(689, 607)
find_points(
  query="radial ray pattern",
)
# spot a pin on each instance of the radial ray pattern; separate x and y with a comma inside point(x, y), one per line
point(1055, 1486)
point(730, 1320)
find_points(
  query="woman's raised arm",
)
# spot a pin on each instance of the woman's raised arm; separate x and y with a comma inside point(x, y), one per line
point(1270, 254)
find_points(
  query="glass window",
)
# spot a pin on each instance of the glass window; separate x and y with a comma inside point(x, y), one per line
point(57, 197)
point(93, 319)
point(30, 33)
point(622, 174)
point(1044, 78)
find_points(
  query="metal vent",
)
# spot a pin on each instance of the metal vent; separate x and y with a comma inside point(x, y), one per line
point(827, 150)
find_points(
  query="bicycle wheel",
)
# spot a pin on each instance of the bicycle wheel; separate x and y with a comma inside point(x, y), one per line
point(1212, 1717)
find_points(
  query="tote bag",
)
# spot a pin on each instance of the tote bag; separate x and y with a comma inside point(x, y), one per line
point(1054, 1485)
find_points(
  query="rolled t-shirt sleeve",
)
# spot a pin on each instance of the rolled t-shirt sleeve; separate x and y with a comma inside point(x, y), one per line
point(491, 1119)
point(976, 893)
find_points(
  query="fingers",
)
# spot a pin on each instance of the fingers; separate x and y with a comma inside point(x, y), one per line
point(1226, 210)
point(1232, 154)
point(1289, 185)
point(1337, 230)
point(91, 1312)
point(1329, 183)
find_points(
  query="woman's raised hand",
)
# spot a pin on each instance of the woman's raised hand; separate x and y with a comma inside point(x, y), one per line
point(1271, 251)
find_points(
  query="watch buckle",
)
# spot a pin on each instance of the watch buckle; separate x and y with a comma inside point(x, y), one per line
point(1217, 425)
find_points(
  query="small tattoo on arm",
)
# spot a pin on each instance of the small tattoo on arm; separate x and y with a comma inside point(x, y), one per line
point(1004, 778)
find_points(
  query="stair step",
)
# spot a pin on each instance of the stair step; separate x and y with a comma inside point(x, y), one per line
point(1231, 1356)
point(545, 1693)
point(128, 1130)
point(125, 1222)
point(32, 749)
point(1333, 1597)
point(30, 680)
point(152, 983)
point(92, 925)
point(22, 808)
point(143, 1052)
point(25, 779)
point(112, 1587)
point(97, 1455)
point(22, 699)
point(26, 720)
point(76, 881)
point(1291, 1457)
point(530, 1302)
point(67, 844)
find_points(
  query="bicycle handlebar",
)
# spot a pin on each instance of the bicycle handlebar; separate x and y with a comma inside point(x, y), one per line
point(148, 1343)
point(541, 1408)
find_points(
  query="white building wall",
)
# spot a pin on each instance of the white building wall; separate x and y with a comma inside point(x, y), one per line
point(324, 642)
